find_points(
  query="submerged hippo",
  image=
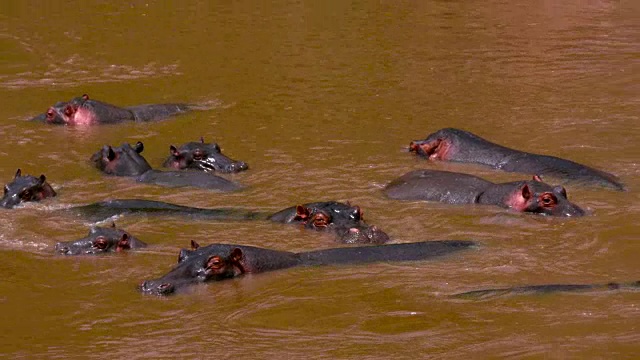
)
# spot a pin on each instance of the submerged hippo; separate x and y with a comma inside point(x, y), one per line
point(462, 146)
point(127, 161)
point(84, 111)
point(344, 220)
point(346, 224)
point(24, 189)
point(202, 156)
point(532, 196)
point(225, 261)
point(100, 240)
point(546, 289)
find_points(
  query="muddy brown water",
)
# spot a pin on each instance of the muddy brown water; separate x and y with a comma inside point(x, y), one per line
point(322, 99)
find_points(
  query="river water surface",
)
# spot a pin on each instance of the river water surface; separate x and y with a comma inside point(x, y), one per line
point(322, 99)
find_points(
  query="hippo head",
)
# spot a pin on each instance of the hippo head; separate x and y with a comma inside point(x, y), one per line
point(25, 188)
point(202, 156)
point(121, 161)
point(347, 224)
point(64, 113)
point(362, 234)
point(538, 197)
point(100, 240)
point(211, 264)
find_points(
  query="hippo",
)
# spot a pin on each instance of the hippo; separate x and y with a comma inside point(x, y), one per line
point(202, 156)
point(462, 146)
point(546, 289)
point(126, 160)
point(82, 111)
point(100, 240)
point(342, 219)
point(533, 196)
point(24, 189)
point(346, 223)
point(218, 262)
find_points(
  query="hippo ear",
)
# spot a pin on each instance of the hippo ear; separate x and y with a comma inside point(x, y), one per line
point(173, 151)
point(123, 243)
point(358, 213)
point(111, 155)
point(18, 174)
point(42, 179)
point(194, 245)
point(202, 139)
point(113, 224)
point(302, 213)
point(525, 192)
point(537, 178)
point(139, 147)
point(85, 97)
point(560, 190)
point(236, 255)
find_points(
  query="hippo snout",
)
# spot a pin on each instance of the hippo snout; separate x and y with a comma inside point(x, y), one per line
point(238, 166)
point(152, 287)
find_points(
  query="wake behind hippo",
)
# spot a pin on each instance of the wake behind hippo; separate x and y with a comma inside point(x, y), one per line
point(462, 146)
point(218, 262)
point(82, 111)
point(533, 196)
point(126, 160)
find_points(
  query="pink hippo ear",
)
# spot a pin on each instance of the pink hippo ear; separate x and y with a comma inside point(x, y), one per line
point(302, 213)
point(123, 243)
point(174, 151)
point(202, 139)
point(236, 255)
point(519, 199)
point(525, 192)
point(194, 245)
point(537, 178)
point(85, 97)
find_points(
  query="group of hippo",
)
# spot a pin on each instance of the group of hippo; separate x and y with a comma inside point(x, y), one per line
point(195, 164)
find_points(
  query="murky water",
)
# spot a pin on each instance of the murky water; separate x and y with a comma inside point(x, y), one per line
point(322, 99)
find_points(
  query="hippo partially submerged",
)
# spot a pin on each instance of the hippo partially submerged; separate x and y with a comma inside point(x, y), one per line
point(532, 196)
point(226, 261)
point(100, 240)
point(126, 160)
point(82, 111)
point(462, 146)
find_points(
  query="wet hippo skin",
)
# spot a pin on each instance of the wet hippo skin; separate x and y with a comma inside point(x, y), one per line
point(533, 196)
point(462, 146)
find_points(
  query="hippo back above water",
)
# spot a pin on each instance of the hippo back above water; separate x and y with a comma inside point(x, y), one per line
point(83, 111)
point(462, 146)
point(532, 196)
point(126, 160)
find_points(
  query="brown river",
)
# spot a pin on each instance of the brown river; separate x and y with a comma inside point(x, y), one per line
point(322, 99)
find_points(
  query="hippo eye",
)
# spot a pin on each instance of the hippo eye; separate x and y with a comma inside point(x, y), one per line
point(215, 262)
point(320, 221)
point(50, 113)
point(548, 200)
point(100, 243)
point(198, 154)
point(26, 195)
